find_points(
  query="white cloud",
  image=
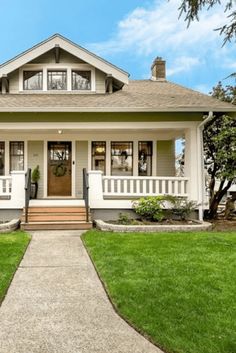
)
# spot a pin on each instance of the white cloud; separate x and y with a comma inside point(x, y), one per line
point(158, 28)
point(157, 31)
point(183, 63)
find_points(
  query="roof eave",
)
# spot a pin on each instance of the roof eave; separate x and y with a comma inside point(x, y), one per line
point(117, 110)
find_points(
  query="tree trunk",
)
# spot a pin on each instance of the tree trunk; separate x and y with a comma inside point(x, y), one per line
point(215, 200)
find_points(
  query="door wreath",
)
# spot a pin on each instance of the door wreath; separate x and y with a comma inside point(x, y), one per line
point(59, 170)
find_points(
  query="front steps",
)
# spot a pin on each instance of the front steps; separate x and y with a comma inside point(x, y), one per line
point(55, 217)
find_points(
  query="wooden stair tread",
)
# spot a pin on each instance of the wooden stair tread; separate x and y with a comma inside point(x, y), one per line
point(55, 217)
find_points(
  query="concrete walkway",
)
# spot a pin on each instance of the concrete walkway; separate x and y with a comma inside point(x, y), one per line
point(56, 303)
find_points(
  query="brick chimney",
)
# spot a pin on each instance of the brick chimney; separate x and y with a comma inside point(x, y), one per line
point(158, 69)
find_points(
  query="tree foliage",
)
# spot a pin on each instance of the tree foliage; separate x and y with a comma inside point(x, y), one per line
point(220, 149)
point(192, 8)
point(226, 94)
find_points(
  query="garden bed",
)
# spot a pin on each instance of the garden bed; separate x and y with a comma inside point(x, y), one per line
point(10, 226)
point(164, 226)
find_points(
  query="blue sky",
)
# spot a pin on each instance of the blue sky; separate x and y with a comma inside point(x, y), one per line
point(128, 33)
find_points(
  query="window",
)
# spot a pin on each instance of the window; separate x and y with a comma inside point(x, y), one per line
point(57, 80)
point(59, 151)
point(122, 158)
point(16, 156)
point(145, 158)
point(33, 80)
point(2, 158)
point(99, 156)
point(81, 80)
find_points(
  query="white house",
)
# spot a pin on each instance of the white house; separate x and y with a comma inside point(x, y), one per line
point(65, 109)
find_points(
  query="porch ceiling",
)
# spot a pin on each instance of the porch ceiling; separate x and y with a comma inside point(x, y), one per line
point(88, 133)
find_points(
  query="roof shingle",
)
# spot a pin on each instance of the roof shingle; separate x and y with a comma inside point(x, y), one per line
point(139, 95)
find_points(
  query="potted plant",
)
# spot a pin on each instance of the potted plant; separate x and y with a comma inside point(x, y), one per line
point(34, 182)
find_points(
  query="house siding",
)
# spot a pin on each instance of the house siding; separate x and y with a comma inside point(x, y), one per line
point(100, 81)
point(81, 162)
point(49, 57)
point(166, 158)
point(35, 157)
point(14, 82)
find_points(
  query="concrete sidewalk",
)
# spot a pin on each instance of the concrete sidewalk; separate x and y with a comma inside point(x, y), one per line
point(56, 303)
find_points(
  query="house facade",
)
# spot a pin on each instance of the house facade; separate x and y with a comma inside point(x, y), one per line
point(64, 109)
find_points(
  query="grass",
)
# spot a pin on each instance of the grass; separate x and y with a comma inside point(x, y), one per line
point(177, 288)
point(12, 249)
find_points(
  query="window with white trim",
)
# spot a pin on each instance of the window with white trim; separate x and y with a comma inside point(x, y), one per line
point(16, 155)
point(122, 158)
point(81, 80)
point(33, 80)
point(57, 80)
point(145, 158)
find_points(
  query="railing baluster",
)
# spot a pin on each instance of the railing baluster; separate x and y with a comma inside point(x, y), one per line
point(144, 186)
point(131, 186)
point(112, 181)
point(125, 186)
point(118, 186)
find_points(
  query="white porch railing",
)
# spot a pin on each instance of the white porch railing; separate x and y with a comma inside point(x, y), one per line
point(117, 192)
point(5, 186)
point(144, 186)
point(12, 190)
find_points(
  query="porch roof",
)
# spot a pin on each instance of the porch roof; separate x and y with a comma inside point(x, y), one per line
point(138, 96)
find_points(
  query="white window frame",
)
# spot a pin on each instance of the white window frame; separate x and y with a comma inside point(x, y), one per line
point(61, 66)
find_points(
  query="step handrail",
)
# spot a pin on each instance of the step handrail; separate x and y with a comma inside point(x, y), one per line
point(27, 192)
point(86, 192)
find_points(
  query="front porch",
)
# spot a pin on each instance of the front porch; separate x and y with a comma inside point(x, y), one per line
point(123, 163)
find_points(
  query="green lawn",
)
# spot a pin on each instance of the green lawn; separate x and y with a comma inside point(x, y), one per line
point(12, 249)
point(178, 288)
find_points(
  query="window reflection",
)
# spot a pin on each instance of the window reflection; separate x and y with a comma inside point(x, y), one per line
point(145, 158)
point(98, 155)
point(122, 158)
point(16, 155)
point(81, 80)
point(57, 80)
point(33, 80)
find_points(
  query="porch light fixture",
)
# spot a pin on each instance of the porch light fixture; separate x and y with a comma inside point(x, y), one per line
point(59, 132)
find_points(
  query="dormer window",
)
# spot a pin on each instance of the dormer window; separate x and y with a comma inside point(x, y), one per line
point(33, 80)
point(57, 80)
point(81, 80)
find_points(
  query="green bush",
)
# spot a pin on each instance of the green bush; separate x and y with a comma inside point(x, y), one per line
point(124, 218)
point(181, 207)
point(35, 175)
point(150, 208)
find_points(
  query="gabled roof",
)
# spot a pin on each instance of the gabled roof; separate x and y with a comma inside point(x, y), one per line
point(69, 46)
point(138, 96)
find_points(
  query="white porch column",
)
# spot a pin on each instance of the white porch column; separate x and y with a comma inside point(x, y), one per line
point(95, 187)
point(191, 163)
point(18, 189)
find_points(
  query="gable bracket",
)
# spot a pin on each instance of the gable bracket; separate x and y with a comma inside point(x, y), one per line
point(5, 84)
point(57, 53)
point(109, 86)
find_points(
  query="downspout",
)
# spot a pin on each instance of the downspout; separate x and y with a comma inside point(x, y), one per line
point(201, 176)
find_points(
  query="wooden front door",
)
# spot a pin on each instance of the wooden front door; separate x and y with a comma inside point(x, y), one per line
point(59, 168)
